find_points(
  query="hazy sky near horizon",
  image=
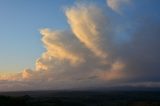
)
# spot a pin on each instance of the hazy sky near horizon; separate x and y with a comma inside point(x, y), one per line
point(79, 44)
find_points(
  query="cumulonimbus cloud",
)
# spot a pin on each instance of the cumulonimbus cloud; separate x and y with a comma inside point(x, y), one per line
point(89, 55)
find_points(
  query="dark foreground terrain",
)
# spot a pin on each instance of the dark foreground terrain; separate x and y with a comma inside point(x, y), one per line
point(80, 98)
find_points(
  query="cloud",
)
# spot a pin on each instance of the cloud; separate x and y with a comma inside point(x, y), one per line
point(117, 5)
point(141, 84)
point(92, 53)
point(116, 72)
point(60, 47)
point(27, 73)
point(88, 27)
point(78, 57)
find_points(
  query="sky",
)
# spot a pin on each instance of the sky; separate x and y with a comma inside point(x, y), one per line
point(20, 23)
point(79, 44)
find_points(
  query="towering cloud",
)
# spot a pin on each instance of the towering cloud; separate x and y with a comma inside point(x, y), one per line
point(88, 27)
point(92, 53)
point(60, 47)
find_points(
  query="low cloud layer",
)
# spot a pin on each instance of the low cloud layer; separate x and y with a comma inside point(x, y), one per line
point(100, 49)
